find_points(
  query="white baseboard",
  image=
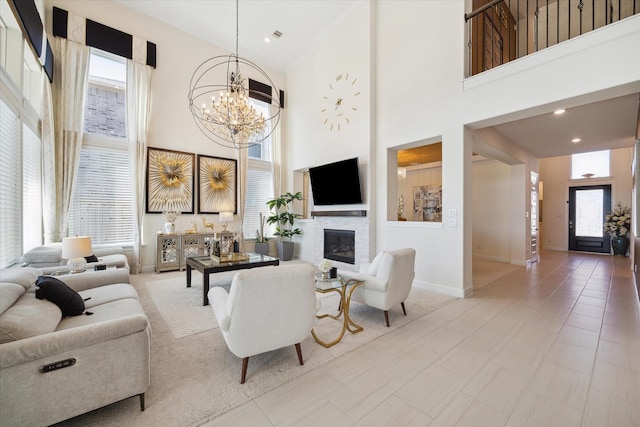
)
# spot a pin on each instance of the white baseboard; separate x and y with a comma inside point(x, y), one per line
point(447, 290)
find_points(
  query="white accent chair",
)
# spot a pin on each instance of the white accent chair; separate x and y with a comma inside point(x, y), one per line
point(267, 308)
point(387, 280)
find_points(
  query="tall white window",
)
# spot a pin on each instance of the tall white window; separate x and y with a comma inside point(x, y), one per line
point(259, 180)
point(10, 190)
point(103, 198)
point(595, 164)
point(31, 189)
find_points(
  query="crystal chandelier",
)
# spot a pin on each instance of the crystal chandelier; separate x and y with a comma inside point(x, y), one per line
point(222, 110)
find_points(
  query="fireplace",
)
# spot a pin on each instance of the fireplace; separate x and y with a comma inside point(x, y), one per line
point(339, 245)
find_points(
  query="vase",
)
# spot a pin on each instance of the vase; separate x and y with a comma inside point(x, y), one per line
point(620, 245)
point(169, 227)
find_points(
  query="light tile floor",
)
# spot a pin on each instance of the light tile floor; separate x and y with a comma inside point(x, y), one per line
point(557, 344)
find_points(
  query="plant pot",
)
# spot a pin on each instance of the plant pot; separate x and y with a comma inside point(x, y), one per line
point(620, 245)
point(285, 251)
point(262, 248)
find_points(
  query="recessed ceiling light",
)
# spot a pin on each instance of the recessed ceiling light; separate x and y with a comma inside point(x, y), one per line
point(560, 111)
point(267, 39)
point(576, 140)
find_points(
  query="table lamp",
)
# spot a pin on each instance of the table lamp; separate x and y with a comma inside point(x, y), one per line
point(75, 249)
point(226, 217)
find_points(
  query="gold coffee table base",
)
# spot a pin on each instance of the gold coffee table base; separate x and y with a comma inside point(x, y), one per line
point(345, 302)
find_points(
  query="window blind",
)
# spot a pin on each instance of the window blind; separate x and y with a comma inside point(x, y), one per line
point(259, 190)
point(11, 188)
point(103, 198)
point(31, 189)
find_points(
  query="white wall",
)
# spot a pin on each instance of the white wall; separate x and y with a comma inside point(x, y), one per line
point(171, 125)
point(492, 193)
point(555, 172)
point(343, 48)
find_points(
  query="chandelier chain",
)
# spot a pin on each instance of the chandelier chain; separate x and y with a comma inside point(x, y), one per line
point(237, 26)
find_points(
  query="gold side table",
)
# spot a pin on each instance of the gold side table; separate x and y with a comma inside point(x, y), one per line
point(344, 289)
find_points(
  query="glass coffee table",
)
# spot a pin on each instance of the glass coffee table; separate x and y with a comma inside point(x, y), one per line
point(207, 265)
point(345, 289)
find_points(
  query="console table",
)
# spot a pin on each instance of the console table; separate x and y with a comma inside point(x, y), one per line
point(172, 250)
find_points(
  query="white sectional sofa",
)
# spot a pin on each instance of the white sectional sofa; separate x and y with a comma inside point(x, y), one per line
point(54, 368)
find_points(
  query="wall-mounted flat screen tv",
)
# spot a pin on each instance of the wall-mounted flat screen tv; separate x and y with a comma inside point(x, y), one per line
point(336, 183)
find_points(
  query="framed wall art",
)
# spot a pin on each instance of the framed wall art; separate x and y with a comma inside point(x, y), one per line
point(217, 184)
point(427, 203)
point(169, 181)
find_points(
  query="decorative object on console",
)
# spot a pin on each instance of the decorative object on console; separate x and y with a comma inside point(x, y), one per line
point(283, 217)
point(225, 217)
point(340, 102)
point(206, 224)
point(217, 178)
point(75, 249)
point(170, 218)
point(194, 228)
point(230, 120)
point(169, 181)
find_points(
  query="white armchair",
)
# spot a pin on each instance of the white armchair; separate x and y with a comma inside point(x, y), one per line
point(387, 280)
point(267, 308)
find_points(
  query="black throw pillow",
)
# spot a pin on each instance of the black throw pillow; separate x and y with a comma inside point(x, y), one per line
point(56, 291)
point(91, 258)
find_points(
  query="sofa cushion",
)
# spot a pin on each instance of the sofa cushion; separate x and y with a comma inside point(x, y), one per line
point(9, 293)
point(52, 289)
point(23, 276)
point(43, 254)
point(91, 258)
point(108, 293)
point(28, 317)
point(104, 312)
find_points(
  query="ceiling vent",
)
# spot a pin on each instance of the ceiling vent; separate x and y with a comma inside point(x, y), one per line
point(277, 34)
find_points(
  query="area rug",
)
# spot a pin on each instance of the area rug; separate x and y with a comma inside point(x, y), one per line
point(181, 307)
point(195, 378)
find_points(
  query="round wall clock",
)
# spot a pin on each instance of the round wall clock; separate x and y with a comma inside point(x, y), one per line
point(339, 104)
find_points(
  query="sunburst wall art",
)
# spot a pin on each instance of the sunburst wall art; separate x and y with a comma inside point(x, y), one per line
point(169, 181)
point(216, 184)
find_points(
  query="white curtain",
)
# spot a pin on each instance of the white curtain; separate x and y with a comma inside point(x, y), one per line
point(138, 108)
point(243, 164)
point(48, 164)
point(69, 94)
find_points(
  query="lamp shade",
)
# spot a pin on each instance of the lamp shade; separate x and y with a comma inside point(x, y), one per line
point(76, 247)
point(226, 216)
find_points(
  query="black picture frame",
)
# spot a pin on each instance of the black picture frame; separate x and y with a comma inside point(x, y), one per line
point(217, 184)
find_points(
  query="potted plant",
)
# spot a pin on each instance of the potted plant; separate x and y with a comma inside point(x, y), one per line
point(262, 242)
point(283, 217)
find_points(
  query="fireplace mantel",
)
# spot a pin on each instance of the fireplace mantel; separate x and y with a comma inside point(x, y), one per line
point(356, 212)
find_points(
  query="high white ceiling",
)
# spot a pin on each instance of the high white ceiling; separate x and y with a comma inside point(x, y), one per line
point(602, 125)
point(299, 21)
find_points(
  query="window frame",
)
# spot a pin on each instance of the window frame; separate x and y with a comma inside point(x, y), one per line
point(101, 142)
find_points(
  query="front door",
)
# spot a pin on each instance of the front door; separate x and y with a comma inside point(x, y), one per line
point(588, 206)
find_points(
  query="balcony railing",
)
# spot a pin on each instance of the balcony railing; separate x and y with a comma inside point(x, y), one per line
point(503, 30)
